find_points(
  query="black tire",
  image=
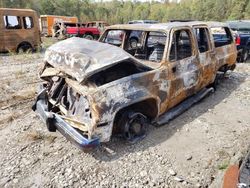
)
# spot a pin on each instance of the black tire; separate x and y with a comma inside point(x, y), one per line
point(24, 48)
point(244, 55)
point(133, 126)
point(89, 37)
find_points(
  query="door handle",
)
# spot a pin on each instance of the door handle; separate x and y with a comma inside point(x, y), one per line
point(174, 69)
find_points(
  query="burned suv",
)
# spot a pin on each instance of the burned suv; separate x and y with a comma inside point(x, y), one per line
point(94, 89)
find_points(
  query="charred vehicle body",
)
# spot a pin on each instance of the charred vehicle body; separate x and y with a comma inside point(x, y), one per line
point(94, 89)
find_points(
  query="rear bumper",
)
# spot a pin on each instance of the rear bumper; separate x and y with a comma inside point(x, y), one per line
point(53, 120)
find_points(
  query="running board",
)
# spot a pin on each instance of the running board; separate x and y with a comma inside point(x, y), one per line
point(182, 107)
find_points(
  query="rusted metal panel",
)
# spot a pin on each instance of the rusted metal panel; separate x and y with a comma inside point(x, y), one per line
point(47, 22)
point(14, 37)
point(91, 82)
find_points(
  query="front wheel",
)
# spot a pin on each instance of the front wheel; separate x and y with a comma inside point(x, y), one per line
point(134, 126)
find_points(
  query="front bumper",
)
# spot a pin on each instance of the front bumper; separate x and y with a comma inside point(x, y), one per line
point(54, 121)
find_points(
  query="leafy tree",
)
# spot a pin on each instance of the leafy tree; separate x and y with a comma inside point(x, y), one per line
point(116, 11)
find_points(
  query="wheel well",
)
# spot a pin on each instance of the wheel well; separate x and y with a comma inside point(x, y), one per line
point(147, 107)
point(89, 33)
point(24, 43)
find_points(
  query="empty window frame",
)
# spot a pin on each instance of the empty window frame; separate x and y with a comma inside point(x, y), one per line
point(114, 37)
point(28, 22)
point(156, 44)
point(146, 45)
point(222, 36)
point(181, 46)
point(12, 22)
point(202, 39)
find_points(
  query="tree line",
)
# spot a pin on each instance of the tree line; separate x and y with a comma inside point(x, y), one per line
point(123, 11)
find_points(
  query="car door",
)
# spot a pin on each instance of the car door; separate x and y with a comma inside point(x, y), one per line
point(207, 57)
point(183, 65)
point(224, 46)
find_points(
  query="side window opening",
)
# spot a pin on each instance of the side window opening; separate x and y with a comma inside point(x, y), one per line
point(114, 37)
point(146, 45)
point(222, 36)
point(28, 22)
point(202, 39)
point(142, 45)
point(12, 22)
point(156, 44)
point(181, 46)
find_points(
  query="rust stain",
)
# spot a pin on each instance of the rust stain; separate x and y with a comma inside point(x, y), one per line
point(231, 177)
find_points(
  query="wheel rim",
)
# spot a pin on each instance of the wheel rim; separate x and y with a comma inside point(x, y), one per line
point(89, 37)
point(135, 128)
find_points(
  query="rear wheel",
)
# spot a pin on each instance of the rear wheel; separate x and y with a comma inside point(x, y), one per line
point(133, 126)
point(89, 37)
point(24, 48)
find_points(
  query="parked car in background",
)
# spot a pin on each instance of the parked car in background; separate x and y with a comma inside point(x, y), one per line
point(19, 30)
point(241, 30)
point(90, 30)
point(47, 22)
point(92, 90)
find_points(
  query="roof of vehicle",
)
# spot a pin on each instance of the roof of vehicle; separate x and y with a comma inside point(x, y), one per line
point(142, 21)
point(239, 24)
point(57, 16)
point(15, 9)
point(165, 26)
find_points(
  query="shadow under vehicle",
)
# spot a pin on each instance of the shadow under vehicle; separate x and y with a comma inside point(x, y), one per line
point(19, 30)
point(95, 89)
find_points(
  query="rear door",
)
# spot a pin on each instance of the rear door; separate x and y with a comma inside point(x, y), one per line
point(30, 29)
point(224, 46)
point(207, 57)
point(183, 65)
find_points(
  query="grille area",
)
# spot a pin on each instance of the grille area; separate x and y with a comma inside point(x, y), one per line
point(68, 102)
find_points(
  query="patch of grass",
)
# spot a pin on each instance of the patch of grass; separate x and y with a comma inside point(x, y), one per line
point(48, 41)
point(50, 139)
point(35, 135)
point(24, 94)
point(18, 73)
point(223, 165)
point(9, 117)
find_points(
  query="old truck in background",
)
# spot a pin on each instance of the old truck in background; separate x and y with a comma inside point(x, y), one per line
point(19, 30)
point(95, 89)
point(89, 30)
point(241, 30)
point(47, 22)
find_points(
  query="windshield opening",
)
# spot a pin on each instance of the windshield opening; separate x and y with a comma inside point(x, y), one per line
point(144, 45)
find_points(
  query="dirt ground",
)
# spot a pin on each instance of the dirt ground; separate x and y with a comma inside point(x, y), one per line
point(192, 150)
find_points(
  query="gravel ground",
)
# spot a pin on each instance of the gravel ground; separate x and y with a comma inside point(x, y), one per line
point(192, 150)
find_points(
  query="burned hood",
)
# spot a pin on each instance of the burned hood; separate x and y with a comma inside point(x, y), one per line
point(81, 58)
